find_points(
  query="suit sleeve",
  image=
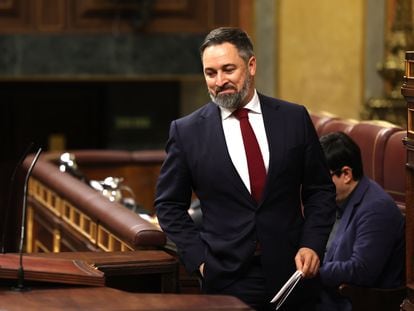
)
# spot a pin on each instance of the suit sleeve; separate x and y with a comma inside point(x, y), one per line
point(318, 193)
point(173, 196)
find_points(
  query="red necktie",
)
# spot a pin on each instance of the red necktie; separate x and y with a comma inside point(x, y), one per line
point(255, 163)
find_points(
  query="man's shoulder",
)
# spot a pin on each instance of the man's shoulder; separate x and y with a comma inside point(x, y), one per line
point(377, 190)
point(274, 100)
point(202, 112)
point(376, 197)
point(278, 103)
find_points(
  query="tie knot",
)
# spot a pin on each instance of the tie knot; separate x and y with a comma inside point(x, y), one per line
point(241, 113)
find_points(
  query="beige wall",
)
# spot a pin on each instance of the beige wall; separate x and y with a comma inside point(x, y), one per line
point(320, 61)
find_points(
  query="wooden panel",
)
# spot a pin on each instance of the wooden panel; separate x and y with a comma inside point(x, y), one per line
point(7, 4)
point(51, 15)
point(15, 14)
point(246, 15)
point(225, 13)
point(102, 7)
point(97, 16)
point(165, 15)
point(193, 17)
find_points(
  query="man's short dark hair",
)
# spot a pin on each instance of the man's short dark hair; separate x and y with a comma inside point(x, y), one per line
point(340, 150)
point(236, 36)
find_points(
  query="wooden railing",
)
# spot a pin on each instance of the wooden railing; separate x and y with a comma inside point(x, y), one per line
point(66, 214)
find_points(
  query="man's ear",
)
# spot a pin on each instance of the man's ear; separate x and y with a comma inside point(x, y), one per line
point(252, 65)
point(347, 172)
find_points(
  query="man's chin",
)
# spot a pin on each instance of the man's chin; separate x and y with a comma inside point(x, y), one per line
point(228, 101)
point(226, 104)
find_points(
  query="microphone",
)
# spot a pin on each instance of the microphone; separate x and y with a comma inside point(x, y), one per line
point(20, 280)
point(13, 177)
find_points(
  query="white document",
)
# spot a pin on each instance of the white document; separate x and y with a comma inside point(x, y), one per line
point(286, 289)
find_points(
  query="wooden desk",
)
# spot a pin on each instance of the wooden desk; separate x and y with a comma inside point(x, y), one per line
point(104, 298)
point(135, 271)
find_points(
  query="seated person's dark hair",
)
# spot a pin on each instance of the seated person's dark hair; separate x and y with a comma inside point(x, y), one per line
point(340, 150)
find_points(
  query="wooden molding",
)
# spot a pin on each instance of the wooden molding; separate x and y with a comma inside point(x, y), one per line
point(100, 16)
point(165, 16)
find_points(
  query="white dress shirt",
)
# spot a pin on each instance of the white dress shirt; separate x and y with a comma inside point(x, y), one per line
point(234, 140)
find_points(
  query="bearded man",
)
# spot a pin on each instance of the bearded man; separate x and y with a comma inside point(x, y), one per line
point(256, 165)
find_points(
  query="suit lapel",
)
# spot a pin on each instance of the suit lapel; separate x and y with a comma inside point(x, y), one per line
point(348, 214)
point(274, 125)
point(354, 201)
point(211, 124)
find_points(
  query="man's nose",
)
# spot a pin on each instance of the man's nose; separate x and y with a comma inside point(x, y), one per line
point(220, 79)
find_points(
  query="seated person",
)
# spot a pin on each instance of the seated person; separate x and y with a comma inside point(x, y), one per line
point(366, 246)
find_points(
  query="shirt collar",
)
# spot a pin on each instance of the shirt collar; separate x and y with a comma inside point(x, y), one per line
point(253, 105)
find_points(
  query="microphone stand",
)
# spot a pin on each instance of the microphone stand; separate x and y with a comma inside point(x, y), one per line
point(20, 280)
point(13, 177)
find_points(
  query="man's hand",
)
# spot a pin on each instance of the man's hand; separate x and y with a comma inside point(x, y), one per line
point(307, 261)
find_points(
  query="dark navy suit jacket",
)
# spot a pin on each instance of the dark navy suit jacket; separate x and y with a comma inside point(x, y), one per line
point(368, 248)
point(233, 223)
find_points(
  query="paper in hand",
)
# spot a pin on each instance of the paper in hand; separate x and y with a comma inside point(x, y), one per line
point(286, 289)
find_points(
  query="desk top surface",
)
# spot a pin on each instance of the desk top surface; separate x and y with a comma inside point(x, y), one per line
point(105, 298)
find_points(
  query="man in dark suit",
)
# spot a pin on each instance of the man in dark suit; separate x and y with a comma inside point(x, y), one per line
point(254, 234)
point(366, 246)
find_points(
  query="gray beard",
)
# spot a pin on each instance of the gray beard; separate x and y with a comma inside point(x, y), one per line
point(228, 101)
point(232, 101)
